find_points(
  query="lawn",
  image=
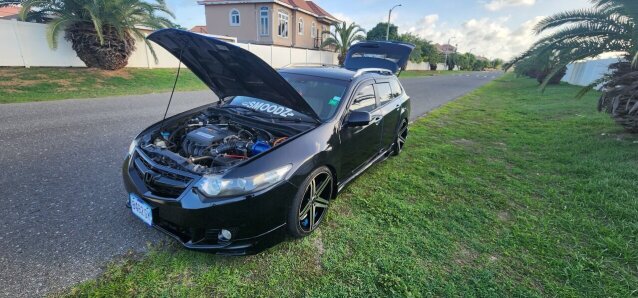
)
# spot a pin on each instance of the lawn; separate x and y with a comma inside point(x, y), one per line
point(504, 192)
point(430, 73)
point(44, 83)
point(41, 83)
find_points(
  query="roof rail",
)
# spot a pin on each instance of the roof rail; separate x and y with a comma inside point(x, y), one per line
point(310, 65)
point(369, 70)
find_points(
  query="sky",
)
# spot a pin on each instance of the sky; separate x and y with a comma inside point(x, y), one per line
point(490, 28)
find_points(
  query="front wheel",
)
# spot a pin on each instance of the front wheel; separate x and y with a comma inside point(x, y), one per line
point(310, 205)
point(402, 136)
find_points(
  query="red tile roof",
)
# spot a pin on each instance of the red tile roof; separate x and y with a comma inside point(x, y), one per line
point(199, 29)
point(9, 11)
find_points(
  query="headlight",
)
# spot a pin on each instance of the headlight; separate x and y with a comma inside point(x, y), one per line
point(131, 148)
point(215, 185)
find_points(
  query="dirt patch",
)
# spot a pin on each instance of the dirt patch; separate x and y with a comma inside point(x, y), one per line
point(465, 255)
point(504, 216)
point(120, 73)
point(28, 83)
point(317, 242)
point(464, 142)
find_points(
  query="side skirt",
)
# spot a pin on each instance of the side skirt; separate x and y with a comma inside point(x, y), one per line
point(381, 157)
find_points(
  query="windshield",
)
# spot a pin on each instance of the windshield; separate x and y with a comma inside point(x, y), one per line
point(322, 94)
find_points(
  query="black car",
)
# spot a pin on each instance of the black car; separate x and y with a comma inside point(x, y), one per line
point(273, 153)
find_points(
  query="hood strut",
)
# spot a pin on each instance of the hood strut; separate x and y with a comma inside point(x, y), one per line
point(170, 99)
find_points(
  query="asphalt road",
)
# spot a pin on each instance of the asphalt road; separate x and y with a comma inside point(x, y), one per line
point(62, 214)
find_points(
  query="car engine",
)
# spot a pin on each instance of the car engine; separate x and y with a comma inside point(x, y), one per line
point(209, 144)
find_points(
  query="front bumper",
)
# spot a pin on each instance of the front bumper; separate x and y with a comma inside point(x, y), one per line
point(256, 221)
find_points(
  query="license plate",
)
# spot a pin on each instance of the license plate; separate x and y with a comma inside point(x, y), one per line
point(141, 209)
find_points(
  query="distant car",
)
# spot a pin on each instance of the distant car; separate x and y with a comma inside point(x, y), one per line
point(273, 153)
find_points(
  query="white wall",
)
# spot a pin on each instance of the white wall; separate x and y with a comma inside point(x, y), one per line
point(586, 72)
point(25, 44)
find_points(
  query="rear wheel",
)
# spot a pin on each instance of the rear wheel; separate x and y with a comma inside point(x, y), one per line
point(402, 136)
point(310, 205)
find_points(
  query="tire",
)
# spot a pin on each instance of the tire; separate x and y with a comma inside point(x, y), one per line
point(310, 205)
point(401, 138)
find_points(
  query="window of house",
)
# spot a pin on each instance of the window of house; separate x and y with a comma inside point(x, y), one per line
point(264, 22)
point(301, 26)
point(313, 30)
point(234, 17)
point(384, 92)
point(323, 29)
point(364, 100)
point(283, 24)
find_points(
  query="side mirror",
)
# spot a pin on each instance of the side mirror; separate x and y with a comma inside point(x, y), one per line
point(358, 118)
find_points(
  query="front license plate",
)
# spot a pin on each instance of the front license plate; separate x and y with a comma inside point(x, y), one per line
point(141, 209)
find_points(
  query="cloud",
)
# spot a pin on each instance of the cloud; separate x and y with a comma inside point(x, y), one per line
point(487, 37)
point(495, 5)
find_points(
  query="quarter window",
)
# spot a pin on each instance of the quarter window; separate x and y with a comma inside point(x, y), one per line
point(283, 24)
point(264, 22)
point(234, 17)
point(364, 100)
point(300, 26)
point(384, 92)
point(396, 88)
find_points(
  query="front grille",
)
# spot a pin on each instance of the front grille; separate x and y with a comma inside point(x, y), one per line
point(160, 182)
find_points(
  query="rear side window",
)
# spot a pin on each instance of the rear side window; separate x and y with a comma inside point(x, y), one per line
point(364, 100)
point(396, 88)
point(384, 92)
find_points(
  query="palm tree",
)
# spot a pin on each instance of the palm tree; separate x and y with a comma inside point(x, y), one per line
point(102, 32)
point(342, 38)
point(609, 26)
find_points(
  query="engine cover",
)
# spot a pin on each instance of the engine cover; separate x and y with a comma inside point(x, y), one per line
point(196, 141)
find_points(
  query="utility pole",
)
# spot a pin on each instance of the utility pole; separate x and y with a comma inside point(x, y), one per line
point(447, 50)
point(387, 34)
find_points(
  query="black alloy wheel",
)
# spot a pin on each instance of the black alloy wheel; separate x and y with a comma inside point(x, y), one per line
point(311, 203)
point(402, 136)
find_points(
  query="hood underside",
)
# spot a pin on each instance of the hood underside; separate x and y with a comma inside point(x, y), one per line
point(229, 70)
point(378, 54)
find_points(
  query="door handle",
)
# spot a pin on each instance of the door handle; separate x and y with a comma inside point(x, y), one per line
point(376, 120)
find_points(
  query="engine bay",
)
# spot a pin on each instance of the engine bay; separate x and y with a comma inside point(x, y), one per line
point(211, 143)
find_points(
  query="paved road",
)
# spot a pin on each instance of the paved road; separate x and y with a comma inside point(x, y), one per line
point(62, 216)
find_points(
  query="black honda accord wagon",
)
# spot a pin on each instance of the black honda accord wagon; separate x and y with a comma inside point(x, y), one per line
point(275, 150)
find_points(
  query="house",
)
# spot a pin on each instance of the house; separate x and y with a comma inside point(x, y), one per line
point(10, 12)
point(199, 29)
point(445, 48)
point(290, 23)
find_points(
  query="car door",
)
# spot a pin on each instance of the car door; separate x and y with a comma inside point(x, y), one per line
point(360, 144)
point(389, 97)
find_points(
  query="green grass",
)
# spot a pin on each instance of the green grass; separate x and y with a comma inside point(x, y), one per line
point(40, 84)
point(429, 73)
point(504, 192)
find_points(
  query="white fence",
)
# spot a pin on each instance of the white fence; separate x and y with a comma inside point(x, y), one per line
point(25, 45)
point(423, 66)
point(586, 72)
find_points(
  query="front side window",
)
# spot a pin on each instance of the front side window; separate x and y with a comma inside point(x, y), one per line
point(384, 92)
point(364, 100)
point(283, 24)
point(300, 29)
point(264, 22)
point(234, 17)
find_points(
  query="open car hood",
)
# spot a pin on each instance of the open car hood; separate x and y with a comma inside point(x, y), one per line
point(229, 70)
point(378, 54)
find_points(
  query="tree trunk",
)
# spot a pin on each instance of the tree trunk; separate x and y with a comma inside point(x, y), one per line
point(111, 55)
